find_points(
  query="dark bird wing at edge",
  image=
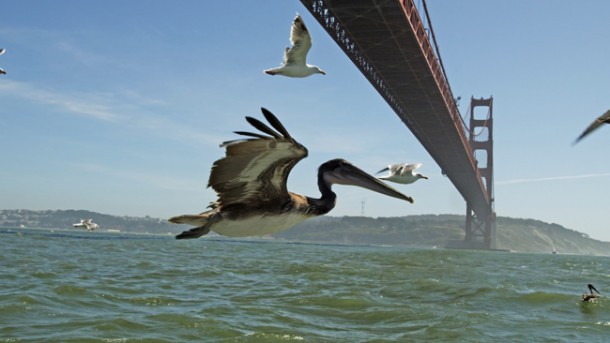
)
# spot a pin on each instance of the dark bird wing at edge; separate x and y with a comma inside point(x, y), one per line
point(255, 170)
point(599, 121)
point(2, 52)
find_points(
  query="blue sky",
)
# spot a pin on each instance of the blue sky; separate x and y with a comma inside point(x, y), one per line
point(119, 106)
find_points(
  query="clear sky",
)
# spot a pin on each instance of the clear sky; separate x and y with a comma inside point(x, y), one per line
point(119, 107)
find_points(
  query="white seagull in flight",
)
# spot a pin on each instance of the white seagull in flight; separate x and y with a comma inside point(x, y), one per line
point(294, 64)
point(601, 120)
point(402, 173)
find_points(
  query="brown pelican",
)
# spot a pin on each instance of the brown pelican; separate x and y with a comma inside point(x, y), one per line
point(599, 121)
point(251, 185)
point(587, 297)
point(294, 64)
point(402, 173)
point(89, 224)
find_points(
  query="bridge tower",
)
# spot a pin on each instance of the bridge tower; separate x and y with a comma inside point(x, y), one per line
point(481, 232)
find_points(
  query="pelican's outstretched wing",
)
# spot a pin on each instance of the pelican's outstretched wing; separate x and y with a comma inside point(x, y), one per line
point(601, 120)
point(255, 170)
point(301, 43)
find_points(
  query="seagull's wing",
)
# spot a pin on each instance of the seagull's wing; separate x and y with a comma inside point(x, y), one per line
point(407, 168)
point(255, 170)
point(395, 168)
point(391, 168)
point(301, 43)
point(599, 121)
point(384, 169)
point(2, 50)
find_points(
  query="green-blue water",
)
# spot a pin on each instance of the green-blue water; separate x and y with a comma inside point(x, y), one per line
point(72, 286)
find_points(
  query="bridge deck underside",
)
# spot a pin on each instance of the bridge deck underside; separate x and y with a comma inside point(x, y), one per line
point(383, 35)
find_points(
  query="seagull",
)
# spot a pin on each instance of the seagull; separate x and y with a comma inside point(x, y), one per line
point(89, 224)
point(587, 297)
point(402, 173)
point(294, 64)
point(604, 118)
point(251, 185)
point(2, 50)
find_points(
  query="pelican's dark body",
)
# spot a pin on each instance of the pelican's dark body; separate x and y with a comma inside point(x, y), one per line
point(587, 297)
point(251, 186)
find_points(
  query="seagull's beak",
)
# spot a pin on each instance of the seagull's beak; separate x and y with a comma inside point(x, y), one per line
point(347, 174)
point(322, 72)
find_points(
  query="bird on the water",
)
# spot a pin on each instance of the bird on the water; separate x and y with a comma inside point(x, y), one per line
point(251, 184)
point(89, 224)
point(592, 296)
point(294, 63)
point(402, 173)
point(599, 121)
point(2, 50)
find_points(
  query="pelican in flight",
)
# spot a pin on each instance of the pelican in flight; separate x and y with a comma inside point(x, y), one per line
point(89, 224)
point(294, 64)
point(587, 297)
point(599, 121)
point(402, 173)
point(2, 52)
point(251, 185)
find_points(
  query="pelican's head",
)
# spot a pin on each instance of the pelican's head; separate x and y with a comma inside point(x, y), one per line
point(592, 288)
point(341, 172)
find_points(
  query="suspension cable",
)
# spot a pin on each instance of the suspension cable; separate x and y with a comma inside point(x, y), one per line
point(438, 53)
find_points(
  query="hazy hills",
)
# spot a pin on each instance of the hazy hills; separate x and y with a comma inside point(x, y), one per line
point(526, 235)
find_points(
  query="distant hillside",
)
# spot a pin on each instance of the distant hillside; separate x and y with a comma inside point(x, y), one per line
point(525, 235)
point(536, 236)
point(58, 219)
point(424, 230)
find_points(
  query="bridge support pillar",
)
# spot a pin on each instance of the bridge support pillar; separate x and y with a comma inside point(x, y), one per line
point(481, 230)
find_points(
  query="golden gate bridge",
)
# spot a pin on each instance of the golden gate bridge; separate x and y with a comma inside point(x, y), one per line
point(389, 43)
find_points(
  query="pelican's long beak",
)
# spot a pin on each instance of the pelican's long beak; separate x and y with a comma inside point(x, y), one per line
point(347, 174)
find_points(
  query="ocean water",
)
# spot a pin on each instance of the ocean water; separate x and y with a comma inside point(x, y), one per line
point(76, 286)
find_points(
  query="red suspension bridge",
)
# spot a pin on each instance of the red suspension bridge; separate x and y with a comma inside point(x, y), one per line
point(388, 41)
